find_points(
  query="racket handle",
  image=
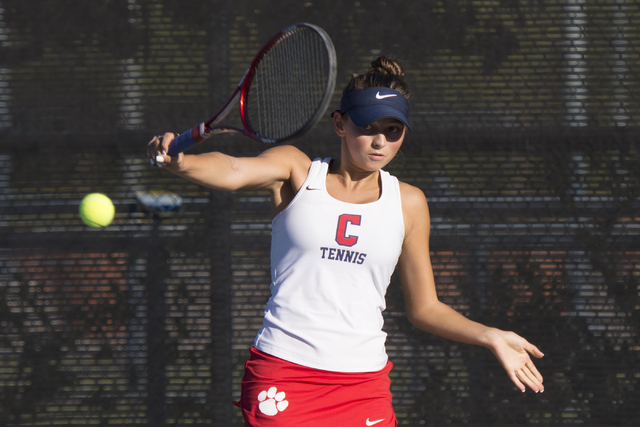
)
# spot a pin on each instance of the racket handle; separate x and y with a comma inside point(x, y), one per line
point(184, 141)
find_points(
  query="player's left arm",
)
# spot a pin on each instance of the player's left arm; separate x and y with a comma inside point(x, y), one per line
point(426, 312)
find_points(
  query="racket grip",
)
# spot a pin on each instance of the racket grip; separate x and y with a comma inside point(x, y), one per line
point(184, 141)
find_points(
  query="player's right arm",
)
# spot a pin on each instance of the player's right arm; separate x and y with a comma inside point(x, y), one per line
point(281, 170)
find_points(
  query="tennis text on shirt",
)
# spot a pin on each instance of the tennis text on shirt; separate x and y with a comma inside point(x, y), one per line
point(344, 239)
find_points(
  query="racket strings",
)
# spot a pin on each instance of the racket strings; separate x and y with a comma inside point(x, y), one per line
point(289, 86)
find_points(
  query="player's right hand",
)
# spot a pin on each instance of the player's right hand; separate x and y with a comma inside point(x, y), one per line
point(157, 151)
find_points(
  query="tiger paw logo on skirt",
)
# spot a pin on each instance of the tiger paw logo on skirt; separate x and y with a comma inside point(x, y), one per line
point(272, 402)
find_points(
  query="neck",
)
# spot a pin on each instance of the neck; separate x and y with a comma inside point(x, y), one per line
point(352, 185)
point(350, 174)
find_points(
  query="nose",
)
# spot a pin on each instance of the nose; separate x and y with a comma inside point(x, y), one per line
point(379, 140)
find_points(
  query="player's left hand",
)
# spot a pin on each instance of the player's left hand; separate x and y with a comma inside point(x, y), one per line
point(513, 353)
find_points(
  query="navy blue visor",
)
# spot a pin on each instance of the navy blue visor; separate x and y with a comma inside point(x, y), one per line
point(368, 105)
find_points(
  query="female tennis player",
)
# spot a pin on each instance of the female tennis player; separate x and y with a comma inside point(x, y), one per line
point(340, 228)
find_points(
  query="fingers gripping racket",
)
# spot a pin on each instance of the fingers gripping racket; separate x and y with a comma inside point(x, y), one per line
point(284, 92)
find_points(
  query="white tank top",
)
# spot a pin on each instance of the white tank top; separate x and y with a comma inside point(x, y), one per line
point(331, 263)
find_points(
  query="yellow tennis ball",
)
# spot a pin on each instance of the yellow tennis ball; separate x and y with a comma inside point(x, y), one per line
point(97, 210)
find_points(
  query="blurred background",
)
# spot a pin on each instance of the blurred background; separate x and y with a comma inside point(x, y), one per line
point(525, 118)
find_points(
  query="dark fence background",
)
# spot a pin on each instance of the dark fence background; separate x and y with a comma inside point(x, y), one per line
point(525, 117)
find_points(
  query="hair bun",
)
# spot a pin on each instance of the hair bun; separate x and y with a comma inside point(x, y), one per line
point(387, 66)
point(384, 72)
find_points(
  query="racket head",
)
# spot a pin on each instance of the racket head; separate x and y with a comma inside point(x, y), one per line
point(289, 85)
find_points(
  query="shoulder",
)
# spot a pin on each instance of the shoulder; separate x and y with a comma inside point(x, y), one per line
point(286, 153)
point(415, 209)
point(291, 166)
point(412, 197)
point(289, 158)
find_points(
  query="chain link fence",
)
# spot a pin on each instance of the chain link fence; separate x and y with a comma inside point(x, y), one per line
point(525, 120)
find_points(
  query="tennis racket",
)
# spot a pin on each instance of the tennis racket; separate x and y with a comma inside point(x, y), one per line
point(284, 92)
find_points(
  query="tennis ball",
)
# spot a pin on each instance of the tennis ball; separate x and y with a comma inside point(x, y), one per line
point(97, 210)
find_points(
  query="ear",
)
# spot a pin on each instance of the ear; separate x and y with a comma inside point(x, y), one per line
point(339, 123)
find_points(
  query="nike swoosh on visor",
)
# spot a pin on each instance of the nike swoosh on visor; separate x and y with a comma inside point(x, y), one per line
point(378, 96)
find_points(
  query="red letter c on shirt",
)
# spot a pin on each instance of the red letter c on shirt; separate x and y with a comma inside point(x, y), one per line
point(341, 235)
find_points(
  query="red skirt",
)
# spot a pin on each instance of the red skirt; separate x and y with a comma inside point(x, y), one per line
point(280, 393)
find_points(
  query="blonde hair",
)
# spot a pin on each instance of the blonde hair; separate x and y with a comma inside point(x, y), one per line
point(384, 72)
